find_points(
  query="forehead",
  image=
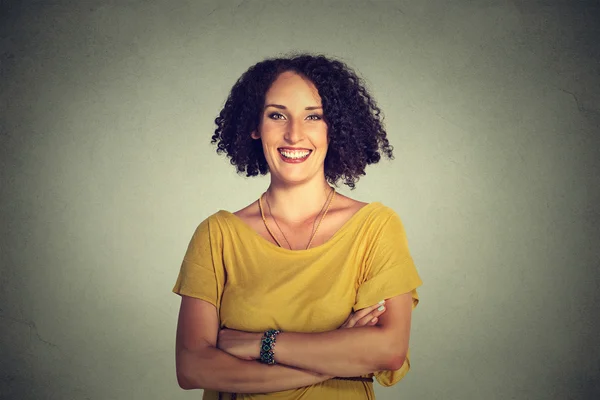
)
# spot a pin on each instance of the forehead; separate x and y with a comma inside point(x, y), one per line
point(291, 88)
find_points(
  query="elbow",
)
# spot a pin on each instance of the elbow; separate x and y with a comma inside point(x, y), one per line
point(395, 347)
point(194, 370)
point(187, 375)
point(396, 352)
point(396, 362)
point(390, 360)
point(185, 382)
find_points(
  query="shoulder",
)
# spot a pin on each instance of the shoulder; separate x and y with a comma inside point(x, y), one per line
point(350, 204)
point(380, 219)
point(214, 223)
point(251, 211)
point(346, 207)
point(379, 212)
point(384, 212)
point(250, 216)
point(369, 217)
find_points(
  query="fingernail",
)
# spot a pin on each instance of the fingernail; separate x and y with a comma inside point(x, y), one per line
point(381, 302)
point(374, 319)
point(381, 308)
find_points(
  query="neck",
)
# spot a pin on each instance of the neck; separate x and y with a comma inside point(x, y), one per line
point(295, 204)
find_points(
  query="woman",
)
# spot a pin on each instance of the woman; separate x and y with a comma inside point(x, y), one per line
point(282, 299)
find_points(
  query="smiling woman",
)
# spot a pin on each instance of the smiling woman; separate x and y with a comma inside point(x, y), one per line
point(292, 129)
point(273, 295)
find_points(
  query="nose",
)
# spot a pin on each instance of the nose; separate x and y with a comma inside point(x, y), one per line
point(294, 132)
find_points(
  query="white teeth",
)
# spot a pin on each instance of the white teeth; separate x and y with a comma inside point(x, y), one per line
point(295, 154)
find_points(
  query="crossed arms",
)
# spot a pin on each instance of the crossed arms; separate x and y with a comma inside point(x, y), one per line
point(226, 361)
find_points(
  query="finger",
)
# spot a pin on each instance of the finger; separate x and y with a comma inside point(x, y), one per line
point(353, 318)
point(347, 323)
point(363, 312)
point(369, 317)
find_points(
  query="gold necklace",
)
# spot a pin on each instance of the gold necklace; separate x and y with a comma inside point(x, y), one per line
point(313, 232)
point(271, 232)
point(320, 212)
point(276, 223)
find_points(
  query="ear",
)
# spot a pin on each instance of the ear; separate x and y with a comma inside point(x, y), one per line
point(255, 135)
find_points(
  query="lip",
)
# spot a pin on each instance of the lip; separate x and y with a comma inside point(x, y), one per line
point(294, 160)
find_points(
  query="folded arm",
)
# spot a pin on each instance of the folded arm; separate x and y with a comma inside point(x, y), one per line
point(352, 352)
point(341, 352)
point(201, 365)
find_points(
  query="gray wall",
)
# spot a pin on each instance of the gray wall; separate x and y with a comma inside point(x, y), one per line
point(106, 113)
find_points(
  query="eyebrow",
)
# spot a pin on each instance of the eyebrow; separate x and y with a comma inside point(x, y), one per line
point(285, 108)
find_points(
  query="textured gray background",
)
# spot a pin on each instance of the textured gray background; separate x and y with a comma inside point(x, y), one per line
point(106, 112)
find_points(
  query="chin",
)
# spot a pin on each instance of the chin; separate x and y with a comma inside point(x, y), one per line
point(292, 179)
point(294, 174)
point(296, 180)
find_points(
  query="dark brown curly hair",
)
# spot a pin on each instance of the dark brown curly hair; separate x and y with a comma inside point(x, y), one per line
point(354, 123)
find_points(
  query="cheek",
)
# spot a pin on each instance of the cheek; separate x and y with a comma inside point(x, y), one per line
point(321, 136)
point(267, 131)
point(270, 128)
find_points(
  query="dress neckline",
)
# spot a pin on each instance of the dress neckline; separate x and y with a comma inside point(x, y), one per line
point(345, 226)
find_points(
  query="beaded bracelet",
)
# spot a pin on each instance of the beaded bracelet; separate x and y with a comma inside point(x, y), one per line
point(267, 355)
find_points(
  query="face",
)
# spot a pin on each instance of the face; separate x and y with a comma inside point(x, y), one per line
point(293, 131)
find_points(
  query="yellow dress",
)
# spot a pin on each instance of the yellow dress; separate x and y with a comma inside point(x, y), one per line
point(256, 285)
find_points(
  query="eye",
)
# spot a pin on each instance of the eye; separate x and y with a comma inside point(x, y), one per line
point(276, 116)
point(314, 117)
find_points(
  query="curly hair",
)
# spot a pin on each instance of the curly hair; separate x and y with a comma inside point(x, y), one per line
point(354, 122)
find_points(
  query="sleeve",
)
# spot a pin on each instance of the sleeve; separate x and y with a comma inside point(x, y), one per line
point(389, 271)
point(202, 274)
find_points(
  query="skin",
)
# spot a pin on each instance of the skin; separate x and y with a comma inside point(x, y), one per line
point(246, 345)
point(292, 118)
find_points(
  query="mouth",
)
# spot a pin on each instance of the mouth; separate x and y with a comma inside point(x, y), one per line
point(294, 155)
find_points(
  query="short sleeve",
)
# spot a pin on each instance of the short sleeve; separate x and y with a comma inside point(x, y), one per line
point(202, 274)
point(389, 271)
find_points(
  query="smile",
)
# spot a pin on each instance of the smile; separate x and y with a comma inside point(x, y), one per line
point(294, 156)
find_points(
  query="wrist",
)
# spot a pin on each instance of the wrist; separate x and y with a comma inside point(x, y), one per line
point(267, 347)
point(257, 346)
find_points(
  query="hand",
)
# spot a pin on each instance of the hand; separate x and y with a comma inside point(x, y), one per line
point(367, 316)
point(243, 345)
